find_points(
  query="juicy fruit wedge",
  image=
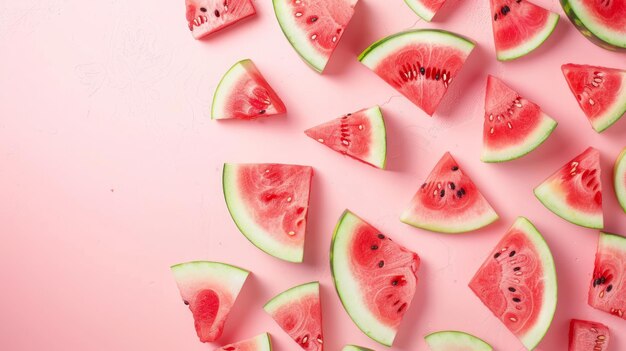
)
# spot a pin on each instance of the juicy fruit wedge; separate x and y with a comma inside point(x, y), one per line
point(360, 135)
point(259, 343)
point(355, 348)
point(448, 202)
point(269, 204)
point(574, 192)
point(519, 27)
point(619, 179)
point(243, 93)
point(426, 9)
point(451, 340)
point(600, 92)
point(607, 291)
point(298, 312)
point(375, 278)
point(420, 64)
point(514, 126)
point(314, 27)
point(586, 335)
point(602, 22)
point(210, 290)
point(517, 282)
point(205, 17)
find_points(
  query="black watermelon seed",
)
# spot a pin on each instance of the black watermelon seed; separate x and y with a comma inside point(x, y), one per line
point(186, 302)
point(422, 70)
point(262, 112)
point(609, 288)
point(423, 185)
point(203, 9)
point(602, 280)
point(442, 193)
point(394, 282)
point(374, 247)
point(452, 186)
point(462, 191)
point(517, 299)
point(459, 193)
point(455, 168)
point(437, 76)
point(495, 17)
point(496, 255)
point(313, 19)
point(517, 268)
point(381, 264)
point(217, 13)
point(512, 253)
point(512, 289)
point(380, 236)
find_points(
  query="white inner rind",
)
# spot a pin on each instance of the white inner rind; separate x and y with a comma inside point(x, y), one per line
point(608, 35)
point(289, 296)
point(455, 340)
point(263, 342)
point(552, 196)
point(421, 10)
point(618, 179)
point(378, 150)
point(355, 348)
point(531, 43)
point(613, 112)
point(611, 241)
point(226, 87)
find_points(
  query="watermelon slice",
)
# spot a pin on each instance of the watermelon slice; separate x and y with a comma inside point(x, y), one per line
point(375, 278)
point(448, 202)
point(517, 282)
point(355, 348)
point(314, 27)
point(519, 27)
point(298, 312)
point(451, 340)
point(619, 179)
point(426, 9)
point(269, 204)
point(210, 290)
point(205, 17)
point(586, 335)
point(259, 343)
point(360, 135)
point(243, 93)
point(574, 192)
point(601, 21)
point(514, 126)
point(607, 290)
point(600, 92)
point(420, 64)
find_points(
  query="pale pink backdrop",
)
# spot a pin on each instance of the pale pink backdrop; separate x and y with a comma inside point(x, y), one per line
point(110, 172)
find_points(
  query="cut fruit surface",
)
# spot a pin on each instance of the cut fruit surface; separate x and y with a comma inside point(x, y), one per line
point(517, 282)
point(426, 9)
point(355, 348)
point(514, 126)
point(451, 340)
point(259, 343)
point(574, 192)
point(420, 64)
point(448, 202)
point(298, 312)
point(314, 27)
point(269, 204)
point(210, 290)
point(607, 290)
point(243, 93)
point(586, 335)
point(600, 92)
point(601, 21)
point(205, 17)
point(619, 179)
point(360, 135)
point(375, 278)
point(519, 27)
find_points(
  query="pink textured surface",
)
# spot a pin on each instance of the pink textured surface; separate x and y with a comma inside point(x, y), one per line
point(111, 172)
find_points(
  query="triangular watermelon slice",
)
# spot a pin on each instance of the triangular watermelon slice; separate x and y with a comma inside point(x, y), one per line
point(587, 335)
point(426, 9)
point(360, 135)
point(574, 192)
point(619, 179)
point(517, 282)
point(607, 289)
point(210, 290)
point(205, 17)
point(298, 312)
point(519, 27)
point(514, 126)
point(269, 204)
point(420, 64)
point(449, 202)
point(258, 343)
point(600, 92)
point(452, 340)
point(243, 93)
point(314, 27)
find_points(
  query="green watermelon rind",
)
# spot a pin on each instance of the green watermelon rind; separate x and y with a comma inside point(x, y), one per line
point(545, 193)
point(531, 44)
point(379, 137)
point(420, 10)
point(618, 179)
point(614, 113)
point(591, 30)
point(225, 87)
point(290, 295)
point(441, 340)
point(611, 241)
point(263, 342)
point(355, 348)
point(221, 271)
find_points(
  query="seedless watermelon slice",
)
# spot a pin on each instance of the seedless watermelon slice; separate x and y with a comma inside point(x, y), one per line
point(243, 93)
point(607, 290)
point(448, 202)
point(314, 27)
point(426, 9)
point(600, 92)
point(360, 135)
point(355, 348)
point(601, 21)
point(574, 192)
point(259, 343)
point(619, 179)
point(375, 278)
point(205, 17)
point(298, 312)
point(210, 290)
point(517, 282)
point(420, 64)
point(451, 340)
point(586, 335)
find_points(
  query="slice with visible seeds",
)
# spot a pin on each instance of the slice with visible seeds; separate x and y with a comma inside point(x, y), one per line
point(205, 17)
point(607, 289)
point(586, 335)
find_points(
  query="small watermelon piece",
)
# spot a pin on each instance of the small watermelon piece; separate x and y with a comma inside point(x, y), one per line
point(619, 179)
point(355, 348)
point(298, 312)
point(314, 27)
point(360, 135)
point(602, 22)
point(420, 64)
point(258, 343)
point(574, 192)
point(243, 93)
point(210, 290)
point(607, 290)
point(519, 27)
point(517, 282)
point(514, 126)
point(448, 202)
point(269, 204)
point(375, 278)
point(600, 92)
point(586, 335)
point(426, 9)
point(452, 340)
point(205, 17)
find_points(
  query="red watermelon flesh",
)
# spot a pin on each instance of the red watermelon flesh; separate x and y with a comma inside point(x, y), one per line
point(611, 13)
point(587, 336)
point(208, 16)
point(426, 9)
point(607, 290)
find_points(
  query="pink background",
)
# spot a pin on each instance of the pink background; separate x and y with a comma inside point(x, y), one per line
point(110, 172)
